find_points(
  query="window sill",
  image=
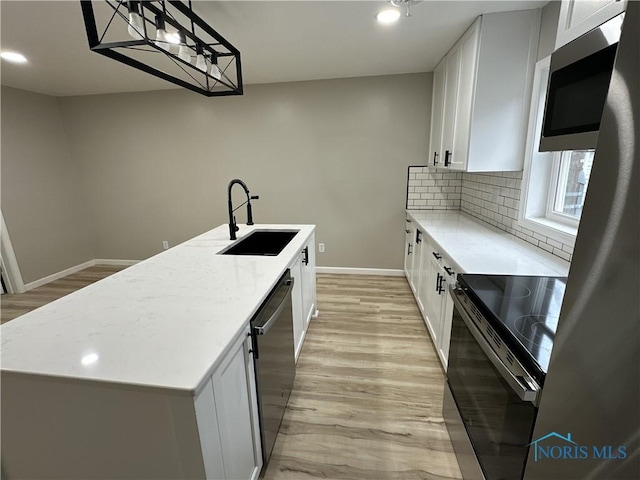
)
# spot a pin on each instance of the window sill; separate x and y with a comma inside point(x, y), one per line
point(557, 231)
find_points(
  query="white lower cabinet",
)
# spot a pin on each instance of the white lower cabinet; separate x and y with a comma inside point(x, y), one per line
point(303, 295)
point(296, 301)
point(432, 274)
point(410, 232)
point(434, 290)
point(421, 269)
point(227, 417)
point(308, 278)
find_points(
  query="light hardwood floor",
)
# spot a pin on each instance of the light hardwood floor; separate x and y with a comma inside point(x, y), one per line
point(13, 306)
point(367, 400)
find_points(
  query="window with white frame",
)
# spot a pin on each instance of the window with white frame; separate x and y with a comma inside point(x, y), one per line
point(553, 183)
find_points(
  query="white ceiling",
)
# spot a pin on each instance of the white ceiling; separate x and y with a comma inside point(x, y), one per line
point(279, 42)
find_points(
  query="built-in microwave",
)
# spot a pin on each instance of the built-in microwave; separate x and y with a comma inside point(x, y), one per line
point(579, 78)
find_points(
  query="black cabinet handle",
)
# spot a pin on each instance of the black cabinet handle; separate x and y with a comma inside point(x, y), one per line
point(435, 158)
point(409, 249)
point(447, 162)
point(436, 255)
point(438, 283)
point(448, 270)
point(305, 258)
point(440, 288)
point(418, 236)
point(407, 220)
point(407, 231)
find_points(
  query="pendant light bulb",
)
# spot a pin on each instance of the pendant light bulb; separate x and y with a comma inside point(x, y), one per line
point(215, 70)
point(184, 52)
point(200, 63)
point(135, 27)
point(161, 34)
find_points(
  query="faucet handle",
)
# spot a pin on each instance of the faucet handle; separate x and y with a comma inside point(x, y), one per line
point(255, 197)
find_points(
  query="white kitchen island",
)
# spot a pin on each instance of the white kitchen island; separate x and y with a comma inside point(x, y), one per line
point(145, 374)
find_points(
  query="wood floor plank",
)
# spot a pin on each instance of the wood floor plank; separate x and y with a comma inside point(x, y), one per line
point(14, 305)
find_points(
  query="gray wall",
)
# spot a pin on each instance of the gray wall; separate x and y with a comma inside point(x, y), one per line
point(41, 202)
point(154, 166)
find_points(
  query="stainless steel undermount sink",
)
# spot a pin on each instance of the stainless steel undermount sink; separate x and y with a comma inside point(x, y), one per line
point(261, 242)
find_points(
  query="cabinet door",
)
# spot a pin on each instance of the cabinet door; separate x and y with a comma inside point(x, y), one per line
point(210, 444)
point(297, 305)
point(409, 255)
point(468, 50)
point(437, 112)
point(577, 17)
point(447, 318)
point(236, 408)
point(417, 273)
point(422, 295)
point(309, 281)
point(434, 299)
point(452, 62)
point(446, 315)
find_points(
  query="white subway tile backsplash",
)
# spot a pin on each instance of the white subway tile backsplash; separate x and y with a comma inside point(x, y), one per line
point(546, 247)
point(554, 244)
point(562, 254)
point(493, 198)
point(436, 190)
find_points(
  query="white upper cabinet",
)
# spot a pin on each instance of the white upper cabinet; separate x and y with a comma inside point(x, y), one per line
point(451, 80)
point(437, 110)
point(487, 88)
point(577, 17)
point(468, 53)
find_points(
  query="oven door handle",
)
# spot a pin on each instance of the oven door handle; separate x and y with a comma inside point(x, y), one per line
point(522, 388)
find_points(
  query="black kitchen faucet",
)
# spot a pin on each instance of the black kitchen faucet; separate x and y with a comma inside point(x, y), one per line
point(233, 228)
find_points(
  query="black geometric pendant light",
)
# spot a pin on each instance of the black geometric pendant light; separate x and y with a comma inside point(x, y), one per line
point(167, 39)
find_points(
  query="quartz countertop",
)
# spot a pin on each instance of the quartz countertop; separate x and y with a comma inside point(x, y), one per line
point(478, 248)
point(165, 322)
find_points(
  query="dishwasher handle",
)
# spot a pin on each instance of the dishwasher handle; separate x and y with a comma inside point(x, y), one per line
point(264, 328)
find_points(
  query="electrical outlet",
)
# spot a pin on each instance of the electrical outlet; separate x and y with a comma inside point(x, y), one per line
point(165, 244)
point(321, 247)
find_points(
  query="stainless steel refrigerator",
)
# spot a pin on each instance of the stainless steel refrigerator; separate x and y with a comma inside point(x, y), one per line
point(588, 424)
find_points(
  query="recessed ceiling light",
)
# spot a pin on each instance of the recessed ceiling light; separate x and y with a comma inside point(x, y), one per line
point(13, 57)
point(388, 15)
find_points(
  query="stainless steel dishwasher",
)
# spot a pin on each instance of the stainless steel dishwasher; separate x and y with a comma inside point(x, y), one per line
point(273, 348)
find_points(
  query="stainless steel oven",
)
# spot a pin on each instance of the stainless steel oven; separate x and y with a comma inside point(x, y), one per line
point(495, 377)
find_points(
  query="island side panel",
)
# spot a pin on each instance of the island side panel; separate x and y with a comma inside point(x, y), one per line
point(58, 428)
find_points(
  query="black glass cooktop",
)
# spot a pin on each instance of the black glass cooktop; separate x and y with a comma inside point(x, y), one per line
point(525, 309)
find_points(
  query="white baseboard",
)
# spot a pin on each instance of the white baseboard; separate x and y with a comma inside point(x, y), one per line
point(58, 275)
point(361, 271)
point(114, 262)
